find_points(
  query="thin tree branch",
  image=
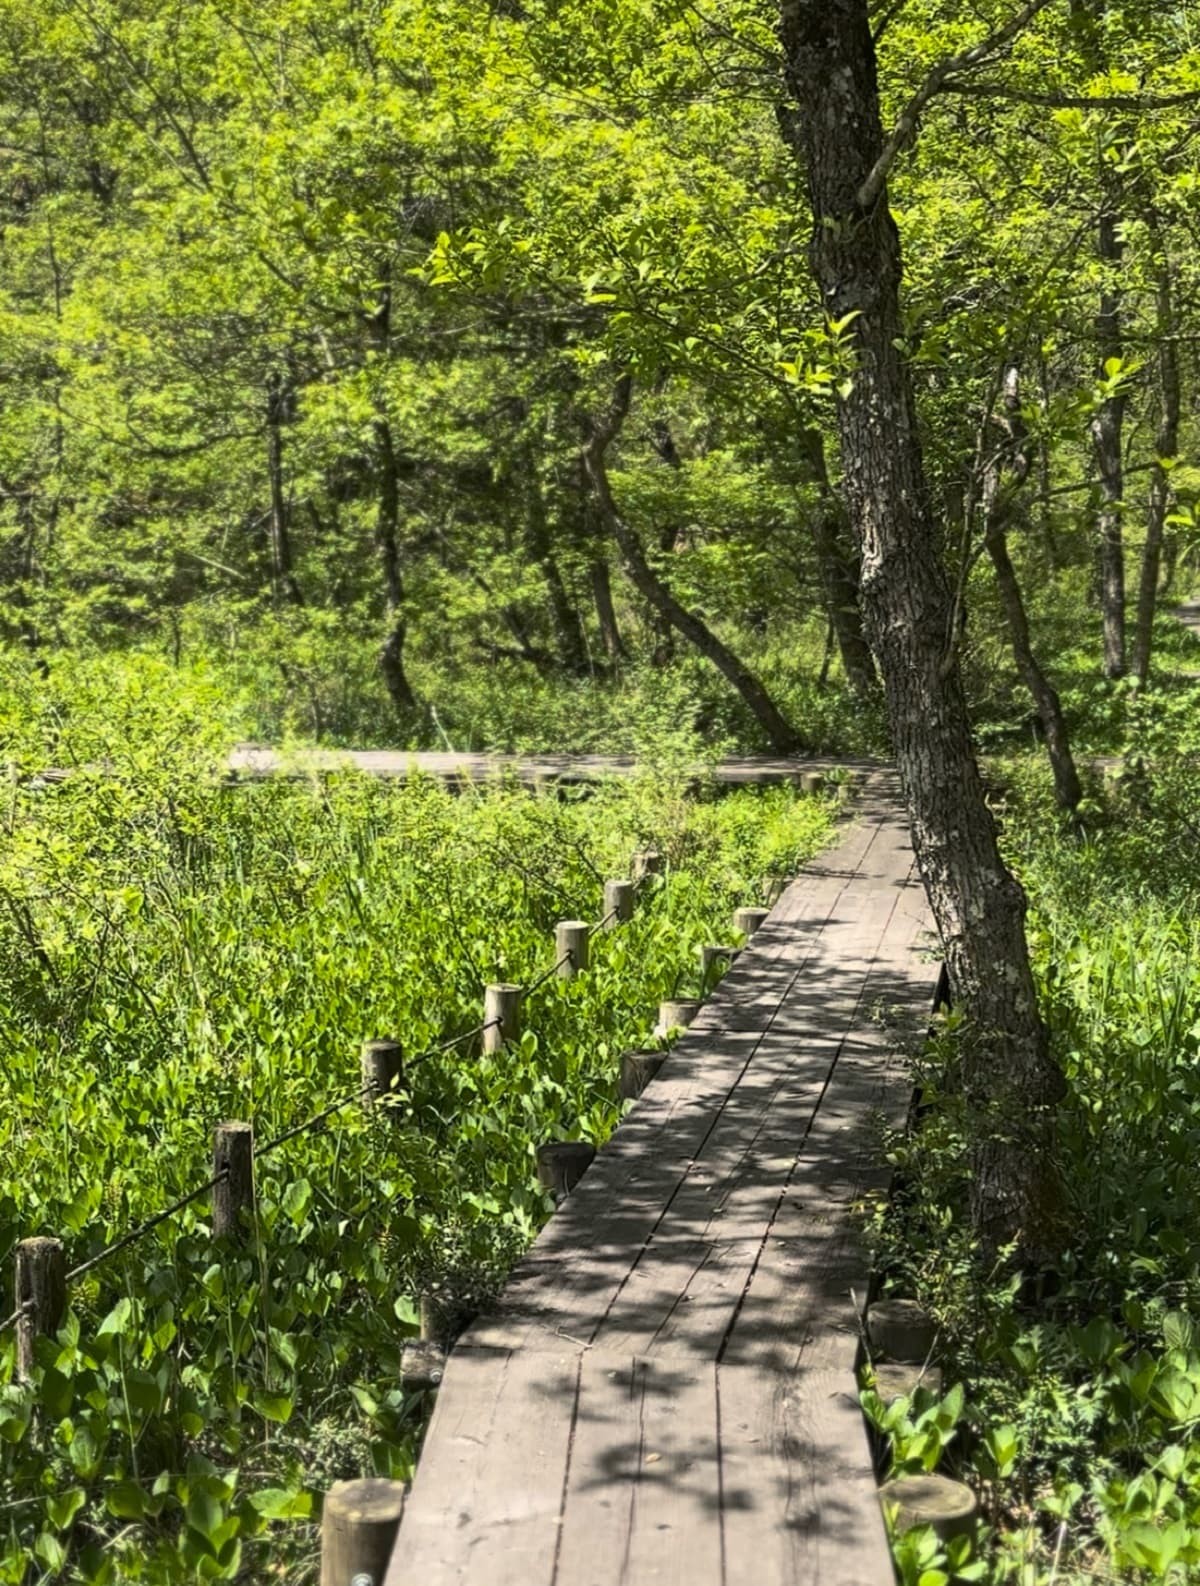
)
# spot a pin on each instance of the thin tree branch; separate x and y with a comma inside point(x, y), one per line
point(1029, 96)
point(905, 128)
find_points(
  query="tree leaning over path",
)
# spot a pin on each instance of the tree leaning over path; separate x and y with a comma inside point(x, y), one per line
point(1011, 1079)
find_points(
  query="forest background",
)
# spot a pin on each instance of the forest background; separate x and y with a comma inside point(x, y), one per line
point(309, 312)
point(433, 376)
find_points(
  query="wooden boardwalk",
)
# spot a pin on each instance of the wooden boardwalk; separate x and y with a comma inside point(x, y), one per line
point(252, 761)
point(665, 1393)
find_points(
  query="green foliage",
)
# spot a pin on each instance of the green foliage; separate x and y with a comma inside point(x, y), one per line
point(1082, 1399)
point(175, 950)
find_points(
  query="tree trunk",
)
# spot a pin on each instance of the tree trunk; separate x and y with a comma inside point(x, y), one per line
point(282, 575)
point(783, 737)
point(387, 541)
point(1045, 506)
point(839, 577)
point(1165, 447)
point(996, 513)
point(1107, 434)
point(1010, 1079)
point(565, 618)
point(387, 524)
point(606, 611)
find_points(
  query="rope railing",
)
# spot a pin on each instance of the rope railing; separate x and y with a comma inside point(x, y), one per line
point(548, 974)
point(144, 1228)
point(41, 1267)
point(42, 1279)
point(49, 1252)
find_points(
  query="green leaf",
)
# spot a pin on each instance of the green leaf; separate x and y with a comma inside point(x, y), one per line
point(126, 1500)
point(57, 1393)
point(274, 1407)
point(282, 1503)
point(118, 1319)
point(63, 1508)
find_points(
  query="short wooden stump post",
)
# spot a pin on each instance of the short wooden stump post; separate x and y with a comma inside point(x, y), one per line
point(646, 862)
point(501, 1015)
point(637, 1070)
point(747, 921)
point(812, 782)
point(676, 1014)
point(233, 1168)
point(571, 941)
point(382, 1071)
point(422, 1366)
point(895, 1381)
point(359, 1522)
point(40, 1290)
point(618, 903)
point(901, 1330)
point(714, 957)
point(562, 1163)
point(440, 1317)
point(950, 1507)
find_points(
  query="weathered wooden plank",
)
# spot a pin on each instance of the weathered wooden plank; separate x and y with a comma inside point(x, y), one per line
point(642, 1504)
point(487, 1498)
point(798, 1497)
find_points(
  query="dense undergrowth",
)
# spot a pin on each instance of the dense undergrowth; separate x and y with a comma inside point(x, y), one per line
point(1078, 1405)
point(175, 951)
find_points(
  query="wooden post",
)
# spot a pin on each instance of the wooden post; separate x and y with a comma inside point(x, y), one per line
point(563, 1163)
point(618, 903)
point(812, 782)
point(950, 1507)
point(713, 956)
point(382, 1071)
point(676, 1014)
point(233, 1156)
point(773, 888)
point(358, 1530)
point(439, 1318)
point(422, 1366)
point(41, 1288)
point(894, 1381)
point(901, 1330)
point(571, 936)
point(637, 1070)
point(747, 921)
point(501, 1002)
point(646, 862)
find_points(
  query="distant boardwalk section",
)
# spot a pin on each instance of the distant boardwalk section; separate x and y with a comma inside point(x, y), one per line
point(665, 1391)
point(742, 771)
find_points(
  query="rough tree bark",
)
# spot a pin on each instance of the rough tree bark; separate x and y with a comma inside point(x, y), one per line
point(1108, 425)
point(1166, 445)
point(387, 530)
point(565, 619)
point(606, 612)
point(1108, 422)
point(1010, 1078)
point(283, 576)
point(839, 575)
point(782, 735)
point(997, 510)
point(387, 541)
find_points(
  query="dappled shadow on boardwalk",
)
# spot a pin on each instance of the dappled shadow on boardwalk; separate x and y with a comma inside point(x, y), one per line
point(672, 1364)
